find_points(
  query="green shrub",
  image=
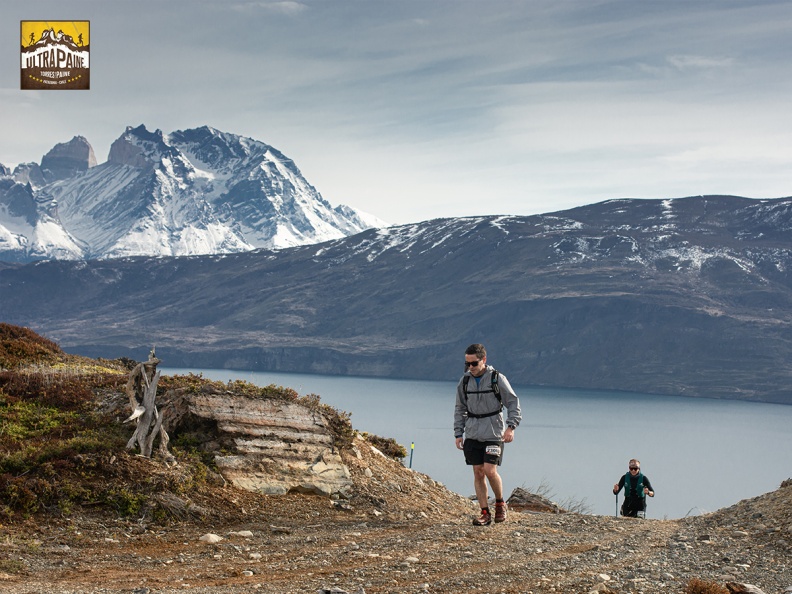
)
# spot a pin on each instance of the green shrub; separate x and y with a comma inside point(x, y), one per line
point(24, 420)
point(124, 501)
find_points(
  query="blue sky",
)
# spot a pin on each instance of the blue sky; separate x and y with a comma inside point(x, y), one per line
point(418, 109)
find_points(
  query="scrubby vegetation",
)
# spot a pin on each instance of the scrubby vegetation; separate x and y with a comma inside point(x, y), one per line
point(22, 346)
point(387, 445)
point(50, 430)
point(697, 586)
point(62, 443)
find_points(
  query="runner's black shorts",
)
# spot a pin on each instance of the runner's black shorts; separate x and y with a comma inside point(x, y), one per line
point(479, 452)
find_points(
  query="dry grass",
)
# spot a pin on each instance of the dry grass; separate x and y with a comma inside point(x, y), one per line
point(697, 586)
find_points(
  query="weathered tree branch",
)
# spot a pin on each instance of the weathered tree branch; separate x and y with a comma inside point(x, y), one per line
point(141, 389)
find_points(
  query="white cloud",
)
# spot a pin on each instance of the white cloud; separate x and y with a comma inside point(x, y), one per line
point(287, 7)
point(699, 62)
point(415, 109)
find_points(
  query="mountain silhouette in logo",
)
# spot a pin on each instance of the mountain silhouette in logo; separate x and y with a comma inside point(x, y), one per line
point(50, 37)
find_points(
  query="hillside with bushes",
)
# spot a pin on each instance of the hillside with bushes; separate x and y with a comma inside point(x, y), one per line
point(80, 513)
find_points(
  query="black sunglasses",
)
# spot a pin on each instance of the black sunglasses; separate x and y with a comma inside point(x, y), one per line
point(472, 363)
point(634, 468)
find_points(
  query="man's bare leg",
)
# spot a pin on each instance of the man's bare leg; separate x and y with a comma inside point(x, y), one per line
point(491, 472)
point(480, 484)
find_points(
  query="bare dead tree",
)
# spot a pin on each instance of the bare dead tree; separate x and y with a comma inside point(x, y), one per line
point(141, 389)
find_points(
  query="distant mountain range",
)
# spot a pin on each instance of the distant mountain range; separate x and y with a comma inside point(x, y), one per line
point(688, 296)
point(190, 192)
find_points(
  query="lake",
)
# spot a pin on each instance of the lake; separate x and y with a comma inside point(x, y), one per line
point(699, 454)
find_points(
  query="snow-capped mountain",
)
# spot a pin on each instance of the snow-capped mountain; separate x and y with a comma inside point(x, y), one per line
point(199, 191)
point(691, 296)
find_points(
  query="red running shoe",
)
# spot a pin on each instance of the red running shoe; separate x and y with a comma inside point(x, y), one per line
point(484, 519)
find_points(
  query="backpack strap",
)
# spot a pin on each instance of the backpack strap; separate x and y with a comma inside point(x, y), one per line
point(494, 388)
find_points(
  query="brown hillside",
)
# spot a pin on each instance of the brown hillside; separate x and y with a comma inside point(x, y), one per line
point(79, 514)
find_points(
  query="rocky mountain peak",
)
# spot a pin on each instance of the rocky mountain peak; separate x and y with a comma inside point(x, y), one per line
point(227, 152)
point(198, 191)
point(137, 147)
point(29, 173)
point(212, 145)
point(67, 158)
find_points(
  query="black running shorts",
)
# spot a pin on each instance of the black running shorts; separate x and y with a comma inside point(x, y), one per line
point(479, 452)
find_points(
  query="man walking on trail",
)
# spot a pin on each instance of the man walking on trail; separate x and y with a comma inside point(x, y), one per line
point(480, 429)
point(636, 488)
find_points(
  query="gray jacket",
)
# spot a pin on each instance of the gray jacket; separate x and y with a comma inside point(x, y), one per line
point(487, 428)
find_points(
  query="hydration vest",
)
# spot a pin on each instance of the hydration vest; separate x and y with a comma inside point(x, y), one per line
point(638, 489)
point(494, 389)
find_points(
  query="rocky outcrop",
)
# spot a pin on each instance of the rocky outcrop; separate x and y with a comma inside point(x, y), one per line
point(137, 147)
point(525, 501)
point(67, 158)
point(29, 173)
point(17, 201)
point(268, 446)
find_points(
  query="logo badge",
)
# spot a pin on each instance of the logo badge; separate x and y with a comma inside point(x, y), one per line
point(55, 55)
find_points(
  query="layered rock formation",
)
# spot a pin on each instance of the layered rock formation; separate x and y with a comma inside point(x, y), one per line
point(269, 445)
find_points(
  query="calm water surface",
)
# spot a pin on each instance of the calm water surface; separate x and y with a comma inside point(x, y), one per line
point(700, 454)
